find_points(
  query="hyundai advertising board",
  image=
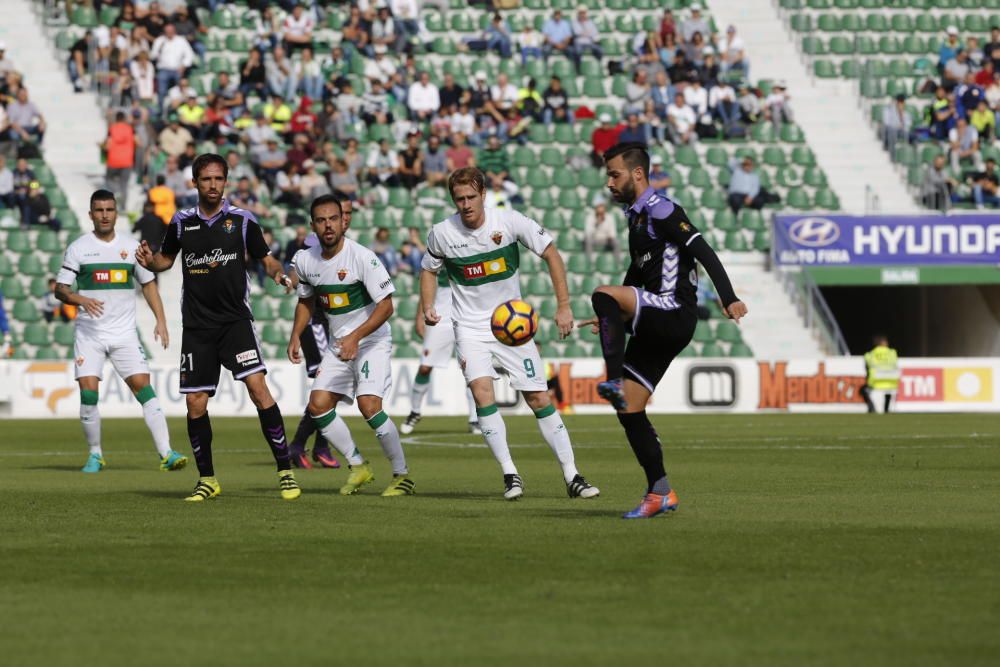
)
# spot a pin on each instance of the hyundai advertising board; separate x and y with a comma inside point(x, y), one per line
point(843, 240)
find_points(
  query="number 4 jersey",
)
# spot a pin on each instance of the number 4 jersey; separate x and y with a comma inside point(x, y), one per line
point(106, 271)
point(347, 286)
point(482, 264)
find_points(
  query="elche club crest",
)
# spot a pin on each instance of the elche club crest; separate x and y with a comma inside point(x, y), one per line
point(497, 237)
point(341, 274)
point(123, 254)
point(79, 361)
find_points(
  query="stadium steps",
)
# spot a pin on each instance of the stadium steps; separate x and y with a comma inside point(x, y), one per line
point(74, 123)
point(827, 110)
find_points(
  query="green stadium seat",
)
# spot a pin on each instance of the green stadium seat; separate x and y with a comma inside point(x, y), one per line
point(443, 46)
point(30, 265)
point(39, 287)
point(813, 46)
point(687, 156)
point(750, 218)
point(712, 350)
point(713, 200)
point(801, 22)
point(541, 199)
point(850, 69)
point(788, 177)
point(703, 333)
point(841, 46)
point(47, 352)
point(37, 334)
point(263, 310)
point(724, 219)
point(12, 288)
point(740, 350)
point(273, 334)
point(286, 311)
point(826, 199)
point(803, 157)
point(608, 265)
point(64, 334)
point(774, 157)
point(578, 263)
point(700, 178)
point(539, 134)
point(26, 311)
point(798, 198)
point(594, 87)
point(762, 240)
point(828, 23)
point(728, 332)
point(814, 177)
point(18, 241)
point(552, 157)
point(564, 178)
point(48, 241)
point(224, 19)
point(824, 69)
point(85, 17)
point(736, 242)
point(6, 266)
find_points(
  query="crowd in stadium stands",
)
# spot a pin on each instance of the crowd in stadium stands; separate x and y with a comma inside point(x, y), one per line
point(22, 130)
point(289, 119)
point(961, 116)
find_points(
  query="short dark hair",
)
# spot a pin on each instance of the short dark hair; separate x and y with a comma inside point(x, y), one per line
point(161, 179)
point(120, 117)
point(102, 195)
point(634, 154)
point(323, 200)
point(206, 159)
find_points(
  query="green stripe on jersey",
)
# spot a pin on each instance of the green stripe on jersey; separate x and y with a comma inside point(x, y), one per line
point(341, 299)
point(487, 267)
point(99, 276)
point(442, 278)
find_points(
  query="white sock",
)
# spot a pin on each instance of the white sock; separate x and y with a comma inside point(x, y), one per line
point(473, 417)
point(337, 434)
point(388, 437)
point(157, 423)
point(555, 433)
point(419, 391)
point(495, 434)
point(91, 420)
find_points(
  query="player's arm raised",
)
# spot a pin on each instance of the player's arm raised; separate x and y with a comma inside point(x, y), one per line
point(151, 293)
point(557, 271)
point(683, 234)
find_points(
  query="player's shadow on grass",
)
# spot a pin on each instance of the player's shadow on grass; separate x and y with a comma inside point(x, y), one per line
point(456, 495)
point(154, 493)
point(577, 513)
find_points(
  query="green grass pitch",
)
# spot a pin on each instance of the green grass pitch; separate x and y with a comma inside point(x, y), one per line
point(800, 540)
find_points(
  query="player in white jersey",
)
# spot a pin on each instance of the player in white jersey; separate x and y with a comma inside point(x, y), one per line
point(480, 250)
point(103, 266)
point(351, 285)
point(438, 349)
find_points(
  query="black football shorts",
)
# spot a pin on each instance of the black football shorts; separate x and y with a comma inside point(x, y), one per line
point(205, 351)
point(658, 336)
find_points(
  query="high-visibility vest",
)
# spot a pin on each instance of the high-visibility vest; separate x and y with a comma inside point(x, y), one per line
point(883, 368)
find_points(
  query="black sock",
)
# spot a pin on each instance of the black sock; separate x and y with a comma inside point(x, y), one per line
point(646, 446)
point(612, 329)
point(200, 434)
point(273, 428)
point(320, 443)
point(305, 429)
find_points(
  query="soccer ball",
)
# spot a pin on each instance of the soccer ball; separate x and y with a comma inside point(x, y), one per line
point(514, 322)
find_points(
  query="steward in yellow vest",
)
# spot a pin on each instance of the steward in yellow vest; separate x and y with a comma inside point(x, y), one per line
point(882, 370)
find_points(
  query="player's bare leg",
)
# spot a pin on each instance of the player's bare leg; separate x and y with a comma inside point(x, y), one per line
point(613, 305)
point(495, 435)
point(273, 428)
point(554, 432)
point(385, 430)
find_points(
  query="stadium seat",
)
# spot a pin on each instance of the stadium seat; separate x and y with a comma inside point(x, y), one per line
point(736, 242)
point(728, 332)
point(740, 350)
point(39, 287)
point(18, 241)
point(30, 265)
point(826, 199)
point(26, 311)
point(37, 334)
point(85, 17)
point(263, 311)
point(712, 350)
point(798, 198)
point(6, 266)
point(64, 334)
point(46, 352)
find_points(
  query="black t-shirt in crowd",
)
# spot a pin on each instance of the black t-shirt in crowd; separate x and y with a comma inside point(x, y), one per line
point(450, 95)
point(213, 260)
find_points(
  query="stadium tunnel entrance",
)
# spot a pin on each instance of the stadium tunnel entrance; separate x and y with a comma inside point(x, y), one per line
point(920, 320)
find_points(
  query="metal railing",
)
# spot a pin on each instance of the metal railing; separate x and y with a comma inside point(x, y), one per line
point(812, 307)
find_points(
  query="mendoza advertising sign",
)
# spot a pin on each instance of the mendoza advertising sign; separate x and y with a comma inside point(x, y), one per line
point(843, 240)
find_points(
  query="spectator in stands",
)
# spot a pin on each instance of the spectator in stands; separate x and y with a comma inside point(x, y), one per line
point(464, 121)
point(732, 52)
point(380, 68)
point(668, 26)
point(964, 146)
point(298, 29)
point(695, 50)
point(375, 106)
point(178, 182)
point(435, 162)
point(955, 71)
point(51, 307)
point(187, 26)
point(984, 77)
point(696, 97)
point(38, 210)
point(257, 136)
point(349, 104)
point(634, 130)
point(173, 56)
point(708, 73)
point(411, 253)
point(722, 104)
point(23, 177)
point(600, 231)
point(26, 121)
point(695, 23)
point(151, 18)
point(163, 199)
point(973, 51)
point(406, 14)
point(450, 93)
point(557, 36)
point(355, 32)
point(383, 31)
point(192, 117)
point(646, 47)
point(750, 106)
point(682, 122)
point(179, 93)
point(7, 197)
point(503, 93)
point(659, 179)
point(682, 71)
point(459, 155)
point(5, 340)
point(173, 139)
point(218, 122)
point(295, 244)
point(256, 266)
point(253, 75)
point(286, 187)
point(777, 108)
point(383, 249)
point(602, 138)
point(342, 181)
point(278, 71)
point(78, 59)
point(896, 124)
point(312, 184)
point(411, 162)
point(493, 159)
point(556, 103)
point(530, 42)
point(935, 192)
point(228, 91)
point(968, 94)
point(744, 186)
point(498, 37)
point(307, 76)
point(244, 197)
point(529, 101)
point(984, 120)
point(637, 91)
point(383, 165)
point(144, 75)
point(149, 226)
point(943, 113)
point(119, 146)
point(302, 149)
point(423, 98)
point(354, 159)
point(586, 36)
point(985, 186)
point(278, 112)
point(496, 196)
point(949, 48)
